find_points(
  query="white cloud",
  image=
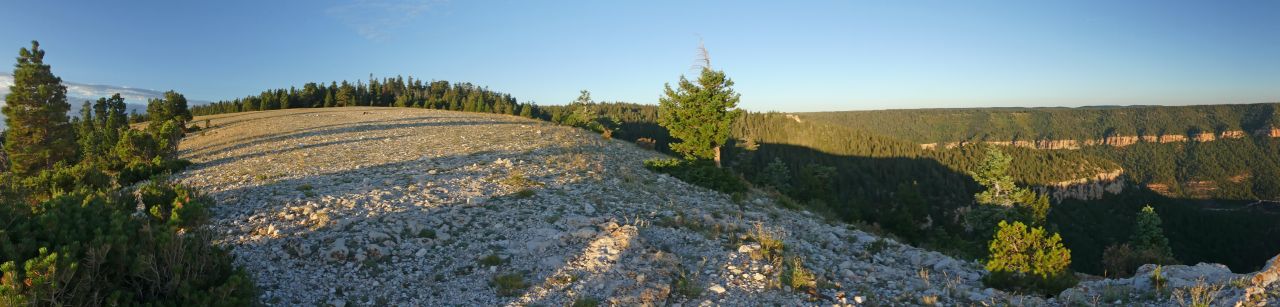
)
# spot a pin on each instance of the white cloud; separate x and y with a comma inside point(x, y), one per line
point(77, 92)
point(377, 19)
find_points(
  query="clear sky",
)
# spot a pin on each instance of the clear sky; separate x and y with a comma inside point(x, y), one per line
point(784, 55)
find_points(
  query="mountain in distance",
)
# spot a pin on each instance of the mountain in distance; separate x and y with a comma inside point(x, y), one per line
point(77, 93)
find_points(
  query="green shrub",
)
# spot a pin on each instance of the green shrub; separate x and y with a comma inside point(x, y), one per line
point(91, 249)
point(1147, 245)
point(427, 233)
point(698, 172)
point(771, 245)
point(509, 284)
point(686, 284)
point(796, 276)
point(586, 302)
point(491, 260)
point(524, 193)
point(1024, 259)
point(877, 246)
point(1158, 280)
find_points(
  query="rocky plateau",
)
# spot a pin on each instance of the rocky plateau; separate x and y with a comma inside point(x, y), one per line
point(413, 207)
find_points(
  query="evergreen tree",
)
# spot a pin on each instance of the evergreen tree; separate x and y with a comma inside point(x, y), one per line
point(86, 135)
point(1003, 194)
point(993, 174)
point(402, 101)
point(346, 95)
point(777, 175)
point(526, 110)
point(172, 107)
point(167, 124)
point(115, 112)
point(329, 100)
point(699, 114)
point(1028, 258)
point(110, 118)
point(1148, 235)
point(39, 134)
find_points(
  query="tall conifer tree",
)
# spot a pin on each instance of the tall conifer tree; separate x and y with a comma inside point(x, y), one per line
point(39, 134)
point(699, 113)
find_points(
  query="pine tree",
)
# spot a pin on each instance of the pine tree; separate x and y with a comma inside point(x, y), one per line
point(1149, 236)
point(1001, 191)
point(172, 107)
point(777, 175)
point(1024, 257)
point(526, 110)
point(346, 95)
point(699, 114)
point(994, 175)
point(39, 134)
point(167, 123)
point(111, 119)
point(86, 131)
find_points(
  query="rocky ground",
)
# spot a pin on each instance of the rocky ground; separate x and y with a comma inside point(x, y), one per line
point(389, 206)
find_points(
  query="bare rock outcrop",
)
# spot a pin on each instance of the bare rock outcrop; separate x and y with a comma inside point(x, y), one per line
point(1273, 132)
point(1203, 137)
point(1175, 284)
point(1231, 134)
point(1089, 188)
point(1262, 285)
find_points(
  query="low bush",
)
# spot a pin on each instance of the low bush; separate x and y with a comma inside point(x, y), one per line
point(1122, 260)
point(686, 284)
point(97, 248)
point(1028, 260)
point(586, 302)
point(509, 284)
point(796, 276)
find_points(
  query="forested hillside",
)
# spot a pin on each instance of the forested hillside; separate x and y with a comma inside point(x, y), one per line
point(1202, 152)
point(1086, 123)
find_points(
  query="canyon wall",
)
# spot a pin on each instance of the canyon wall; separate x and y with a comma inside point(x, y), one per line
point(1088, 188)
point(1116, 141)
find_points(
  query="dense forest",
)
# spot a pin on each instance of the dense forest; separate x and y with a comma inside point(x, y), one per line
point(838, 165)
point(1084, 123)
point(1243, 167)
point(388, 92)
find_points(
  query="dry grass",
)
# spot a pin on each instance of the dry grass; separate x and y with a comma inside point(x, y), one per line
point(771, 245)
point(1200, 295)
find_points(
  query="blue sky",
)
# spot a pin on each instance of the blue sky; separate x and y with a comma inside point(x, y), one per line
point(784, 55)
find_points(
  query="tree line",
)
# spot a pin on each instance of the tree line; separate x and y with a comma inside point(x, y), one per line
point(386, 92)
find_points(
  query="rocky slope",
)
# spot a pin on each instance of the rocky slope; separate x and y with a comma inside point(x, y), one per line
point(388, 206)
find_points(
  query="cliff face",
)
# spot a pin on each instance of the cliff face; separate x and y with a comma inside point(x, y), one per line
point(1273, 132)
point(1116, 141)
point(1088, 188)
